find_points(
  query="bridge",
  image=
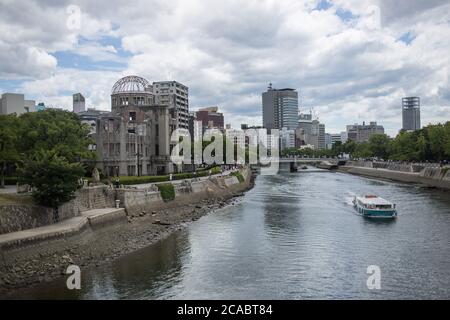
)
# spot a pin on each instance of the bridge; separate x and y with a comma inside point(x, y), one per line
point(323, 163)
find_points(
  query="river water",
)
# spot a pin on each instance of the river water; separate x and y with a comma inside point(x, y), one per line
point(293, 236)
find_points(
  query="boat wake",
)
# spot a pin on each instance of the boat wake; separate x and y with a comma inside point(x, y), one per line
point(348, 198)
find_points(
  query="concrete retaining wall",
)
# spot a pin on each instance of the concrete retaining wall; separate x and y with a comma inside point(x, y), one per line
point(20, 217)
point(86, 199)
point(189, 191)
point(434, 177)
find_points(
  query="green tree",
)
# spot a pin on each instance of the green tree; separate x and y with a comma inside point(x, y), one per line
point(52, 144)
point(436, 136)
point(421, 147)
point(8, 143)
point(404, 147)
point(362, 150)
point(349, 147)
point(53, 178)
point(447, 140)
point(379, 145)
point(57, 130)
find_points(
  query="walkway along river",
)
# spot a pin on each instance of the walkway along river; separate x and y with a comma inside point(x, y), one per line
point(293, 236)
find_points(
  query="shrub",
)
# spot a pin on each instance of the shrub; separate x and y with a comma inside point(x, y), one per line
point(128, 180)
point(216, 170)
point(238, 175)
point(167, 191)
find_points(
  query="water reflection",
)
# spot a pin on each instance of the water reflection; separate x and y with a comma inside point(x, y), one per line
point(294, 236)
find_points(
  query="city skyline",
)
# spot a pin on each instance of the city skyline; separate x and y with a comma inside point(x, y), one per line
point(345, 63)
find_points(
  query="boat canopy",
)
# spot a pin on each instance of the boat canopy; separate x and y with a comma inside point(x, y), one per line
point(374, 200)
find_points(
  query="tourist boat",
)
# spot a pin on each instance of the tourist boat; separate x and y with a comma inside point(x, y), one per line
point(374, 207)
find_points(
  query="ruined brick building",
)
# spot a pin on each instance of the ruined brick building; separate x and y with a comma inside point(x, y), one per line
point(134, 138)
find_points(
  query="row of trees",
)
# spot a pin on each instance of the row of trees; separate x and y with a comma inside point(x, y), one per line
point(432, 143)
point(45, 149)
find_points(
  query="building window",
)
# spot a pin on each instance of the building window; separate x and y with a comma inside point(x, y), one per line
point(132, 116)
point(131, 170)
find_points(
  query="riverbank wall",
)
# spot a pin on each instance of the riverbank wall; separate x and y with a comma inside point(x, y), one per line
point(430, 176)
point(144, 218)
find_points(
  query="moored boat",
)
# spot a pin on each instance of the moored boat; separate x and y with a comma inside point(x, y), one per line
point(374, 207)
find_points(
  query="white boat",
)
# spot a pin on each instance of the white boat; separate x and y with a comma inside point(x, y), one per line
point(374, 207)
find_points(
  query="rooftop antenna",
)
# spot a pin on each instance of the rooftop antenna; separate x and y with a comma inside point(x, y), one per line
point(270, 86)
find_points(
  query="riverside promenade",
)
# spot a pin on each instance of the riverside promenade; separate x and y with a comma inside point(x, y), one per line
point(432, 176)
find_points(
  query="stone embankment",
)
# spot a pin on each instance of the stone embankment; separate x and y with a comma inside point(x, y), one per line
point(432, 176)
point(94, 236)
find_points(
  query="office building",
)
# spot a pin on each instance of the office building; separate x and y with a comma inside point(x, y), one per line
point(195, 129)
point(362, 133)
point(317, 137)
point(78, 103)
point(280, 108)
point(328, 141)
point(287, 138)
point(176, 95)
point(310, 132)
point(344, 137)
point(210, 118)
point(411, 113)
point(303, 130)
point(16, 103)
point(335, 138)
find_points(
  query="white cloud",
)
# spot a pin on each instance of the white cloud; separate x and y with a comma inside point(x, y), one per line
point(228, 51)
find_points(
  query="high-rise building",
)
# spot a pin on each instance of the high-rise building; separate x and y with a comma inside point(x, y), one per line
point(362, 133)
point(280, 108)
point(310, 132)
point(344, 137)
point(317, 138)
point(303, 129)
point(210, 118)
point(287, 138)
point(195, 130)
point(16, 103)
point(78, 103)
point(175, 95)
point(336, 138)
point(328, 141)
point(411, 113)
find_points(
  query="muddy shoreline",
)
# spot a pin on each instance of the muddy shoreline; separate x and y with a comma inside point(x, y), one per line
point(47, 261)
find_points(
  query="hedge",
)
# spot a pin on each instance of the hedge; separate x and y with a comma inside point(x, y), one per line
point(129, 180)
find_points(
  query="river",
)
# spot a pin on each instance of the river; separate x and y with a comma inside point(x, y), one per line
point(293, 236)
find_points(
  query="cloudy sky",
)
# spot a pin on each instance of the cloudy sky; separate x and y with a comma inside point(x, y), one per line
point(350, 60)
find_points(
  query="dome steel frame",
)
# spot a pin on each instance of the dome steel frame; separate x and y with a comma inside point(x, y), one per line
point(130, 84)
